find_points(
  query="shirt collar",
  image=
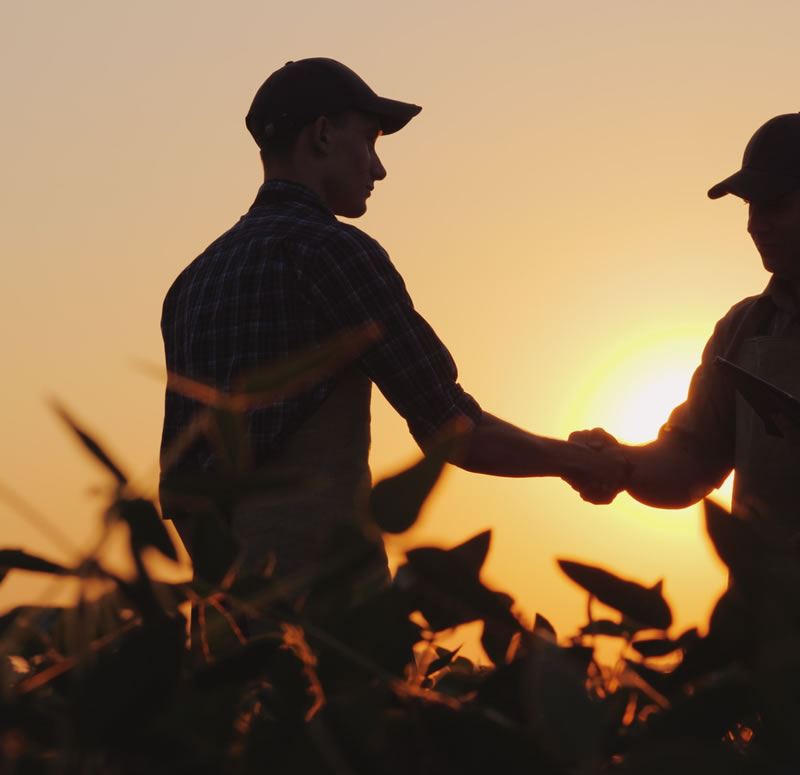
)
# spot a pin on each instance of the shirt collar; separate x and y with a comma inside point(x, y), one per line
point(781, 294)
point(289, 191)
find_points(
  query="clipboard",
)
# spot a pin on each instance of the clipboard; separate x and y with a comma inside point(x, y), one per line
point(779, 410)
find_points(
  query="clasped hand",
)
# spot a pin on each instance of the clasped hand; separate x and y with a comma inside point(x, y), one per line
point(607, 472)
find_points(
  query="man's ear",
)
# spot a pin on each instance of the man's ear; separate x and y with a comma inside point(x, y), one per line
point(320, 135)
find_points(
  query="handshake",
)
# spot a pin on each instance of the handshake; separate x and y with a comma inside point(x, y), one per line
point(606, 472)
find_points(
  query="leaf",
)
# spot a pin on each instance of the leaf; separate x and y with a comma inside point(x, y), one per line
point(395, 502)
point(17, 559)
point(660, 647)
point(498, 635)
point(732, 537)
point(444, 658)
point(560, 714)
point(635, 601)
point(542, 625)
point(449, 593)
point(606, 627)
point(146, 527)
point(90, 444)
point(656, 647)
point(473, 551)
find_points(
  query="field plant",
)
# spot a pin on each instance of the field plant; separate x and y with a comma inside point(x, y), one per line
point(331, 671)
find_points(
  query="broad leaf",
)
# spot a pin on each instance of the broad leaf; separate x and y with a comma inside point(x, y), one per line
point(606, 627)
point(473, 551)
point(656, 647)
point(542, 625)
point(449, 593)
point(734, 539)
point(395, 502)
point(443, 659)
point(635, 601)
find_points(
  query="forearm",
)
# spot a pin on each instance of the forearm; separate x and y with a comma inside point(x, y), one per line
point(667, 476)
point(498, 448)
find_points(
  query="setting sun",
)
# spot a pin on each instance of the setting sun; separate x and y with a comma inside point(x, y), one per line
point(632, 390)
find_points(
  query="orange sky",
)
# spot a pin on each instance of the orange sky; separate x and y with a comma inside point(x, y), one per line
point(547, 210)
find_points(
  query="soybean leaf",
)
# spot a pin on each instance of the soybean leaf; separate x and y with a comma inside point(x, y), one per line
point(561, 716)
point(473, 551)
point(733, 538)
point(17, 559)
point(542, 625)
point(656, 647)
point(395, 502)
point(443, 659)
point(90, 444)
point(146, 527)
point(448, 592)
point(606, 627)
point(643, 605)
point(498, 633)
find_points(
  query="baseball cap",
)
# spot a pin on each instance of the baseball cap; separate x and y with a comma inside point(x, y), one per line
point(302, 91)
point(771, 163)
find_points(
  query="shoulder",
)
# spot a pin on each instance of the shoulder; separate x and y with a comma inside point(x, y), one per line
point(744, 319)
point(349, 238)
point(744, 307)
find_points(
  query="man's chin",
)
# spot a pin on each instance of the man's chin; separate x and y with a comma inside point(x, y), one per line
point(351, 212)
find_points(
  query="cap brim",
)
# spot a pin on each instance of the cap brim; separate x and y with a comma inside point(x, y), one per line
point(393, 114)
point(753, 186)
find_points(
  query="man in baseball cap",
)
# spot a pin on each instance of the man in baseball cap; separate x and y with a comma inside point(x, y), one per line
point(290, 275)
point(715, 432)
point(304, 90)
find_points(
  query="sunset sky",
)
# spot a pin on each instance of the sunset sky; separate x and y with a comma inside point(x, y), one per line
point(547, 210)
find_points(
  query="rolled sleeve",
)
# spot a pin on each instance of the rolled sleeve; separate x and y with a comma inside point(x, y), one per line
point(355, 282)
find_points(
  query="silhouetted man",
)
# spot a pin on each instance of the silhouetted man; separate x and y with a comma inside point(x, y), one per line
point(289, 275)
point(716, 431)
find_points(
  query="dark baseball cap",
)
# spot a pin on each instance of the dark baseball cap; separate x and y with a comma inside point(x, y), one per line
point(771, 164)
point(302, 91)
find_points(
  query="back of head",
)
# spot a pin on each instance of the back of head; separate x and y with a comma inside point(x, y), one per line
point(301, 91)
point(771, 163)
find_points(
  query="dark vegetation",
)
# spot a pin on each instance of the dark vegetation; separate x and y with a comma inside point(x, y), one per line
point(344, 675)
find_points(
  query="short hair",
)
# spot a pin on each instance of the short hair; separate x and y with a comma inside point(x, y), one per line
point(279, 146)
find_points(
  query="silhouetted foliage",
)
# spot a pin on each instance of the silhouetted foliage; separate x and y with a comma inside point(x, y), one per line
point(326, 673)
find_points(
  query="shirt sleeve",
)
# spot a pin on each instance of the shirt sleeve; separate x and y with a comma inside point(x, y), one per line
point(706, 421)
point(353, 281)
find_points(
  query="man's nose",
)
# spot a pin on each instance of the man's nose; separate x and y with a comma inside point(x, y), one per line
point(378, 170)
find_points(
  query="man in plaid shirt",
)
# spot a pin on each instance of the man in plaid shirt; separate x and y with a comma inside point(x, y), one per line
point(288, 276)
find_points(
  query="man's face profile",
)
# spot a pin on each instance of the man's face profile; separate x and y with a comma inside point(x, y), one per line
point(775, 229)
point(352, 165)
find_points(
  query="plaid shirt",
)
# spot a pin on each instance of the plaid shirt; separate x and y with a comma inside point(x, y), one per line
point(286, 276)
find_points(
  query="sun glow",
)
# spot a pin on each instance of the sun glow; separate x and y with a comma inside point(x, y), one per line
point(633, 390)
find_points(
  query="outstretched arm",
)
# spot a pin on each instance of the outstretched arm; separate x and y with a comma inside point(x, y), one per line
point(499, 448)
